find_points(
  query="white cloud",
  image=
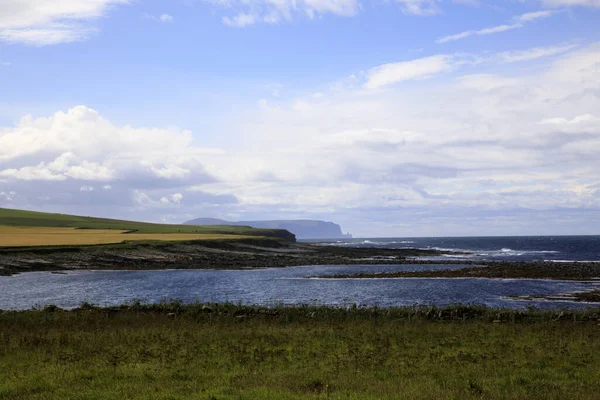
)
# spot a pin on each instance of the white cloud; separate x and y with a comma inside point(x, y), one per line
point(81, 145)
point(163, 18)
point(86, 189)
point(532, 16)
point(41, 22)
point(580, 124)
point(172, 199)
point(241, 20)
point(427, 67)
point(485, 31)
point(532, 54)
point(337, 7)
point(61, 168)
point(472, 3)
point(576, 120)
point(498, 29)
point(8, 196)
point(431, 147)
point(567, 3)
point(486, 82)
point(250, 12)
point(518, 22)
point(419, 7)
point(166, 18)
point(479, 146)
point(421, 68)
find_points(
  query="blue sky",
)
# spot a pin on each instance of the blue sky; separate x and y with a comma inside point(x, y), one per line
point(394, 118)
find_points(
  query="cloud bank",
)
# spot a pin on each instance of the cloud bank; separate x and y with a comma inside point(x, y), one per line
point(41, 22)
point(482, 150)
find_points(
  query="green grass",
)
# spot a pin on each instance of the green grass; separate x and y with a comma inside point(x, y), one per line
point(170, 351)
point(9, 217)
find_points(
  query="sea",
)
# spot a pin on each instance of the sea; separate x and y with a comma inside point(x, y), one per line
point(307, 284)
point(506, 248)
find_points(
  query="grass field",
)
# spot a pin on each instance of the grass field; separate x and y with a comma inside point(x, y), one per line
point(11, 236)
point(171, 351)
point(16, 222)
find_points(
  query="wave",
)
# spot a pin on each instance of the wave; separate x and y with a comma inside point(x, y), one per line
point(505, 252)
point(386, 243)
point(478, 254)
point(365, 242)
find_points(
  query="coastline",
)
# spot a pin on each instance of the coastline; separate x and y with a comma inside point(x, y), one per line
point(272, 253)
point(217, 254)
point(501, 270)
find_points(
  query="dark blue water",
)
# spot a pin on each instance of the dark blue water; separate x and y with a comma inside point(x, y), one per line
point(514, 248)
point(274, 286)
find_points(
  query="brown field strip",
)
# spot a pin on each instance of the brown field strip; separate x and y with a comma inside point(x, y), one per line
point(14, 236)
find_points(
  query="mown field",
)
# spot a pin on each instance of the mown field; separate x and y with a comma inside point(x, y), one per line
point(12, 236)
point(29, 228)
point(170, 351)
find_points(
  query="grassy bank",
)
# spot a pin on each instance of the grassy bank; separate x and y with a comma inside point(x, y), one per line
point(170, 351)
point(10, 218)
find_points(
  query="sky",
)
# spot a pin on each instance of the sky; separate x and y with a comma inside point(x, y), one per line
point(389, 117)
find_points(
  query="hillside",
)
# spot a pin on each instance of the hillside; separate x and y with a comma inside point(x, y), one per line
point(303, 229)
point(21, 218)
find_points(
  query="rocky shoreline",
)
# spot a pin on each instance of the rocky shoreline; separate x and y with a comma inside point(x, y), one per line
point(591, 296)
point(268, 253)
point(500, 270)
point(239, 254)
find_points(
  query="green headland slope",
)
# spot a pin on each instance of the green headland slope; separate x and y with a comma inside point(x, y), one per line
point(10, 217)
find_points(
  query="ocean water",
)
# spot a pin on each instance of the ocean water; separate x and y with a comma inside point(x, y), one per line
point(294, 285)
point(305, 285)
point(510, 248)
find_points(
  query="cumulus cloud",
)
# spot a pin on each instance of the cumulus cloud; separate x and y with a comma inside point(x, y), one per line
point(486, 143)
point(71, 154)
point(39, 22)
point(489, 147)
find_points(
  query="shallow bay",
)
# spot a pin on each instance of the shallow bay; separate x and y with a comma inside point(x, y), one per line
point(277, 285)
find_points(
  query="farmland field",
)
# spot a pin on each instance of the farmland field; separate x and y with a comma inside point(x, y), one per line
point(13, 236)
point(30, 228)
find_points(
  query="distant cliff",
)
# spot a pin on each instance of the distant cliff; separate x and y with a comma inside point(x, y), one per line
point(303, 229)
